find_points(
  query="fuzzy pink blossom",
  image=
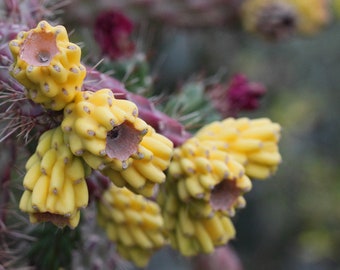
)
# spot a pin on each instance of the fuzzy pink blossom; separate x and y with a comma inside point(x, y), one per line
point(112, 31)
point(238, 95)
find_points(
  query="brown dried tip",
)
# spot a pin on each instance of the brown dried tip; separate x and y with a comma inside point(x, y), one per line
point(58, 220)
point(122, 141)
point(224, 195)
point(39, 49)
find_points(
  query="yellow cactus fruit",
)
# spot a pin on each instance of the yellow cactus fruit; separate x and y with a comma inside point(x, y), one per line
point(102, 129)
point(146, 166)
point(312, 15)
point(270, 19)
point(48, 65)
point(253, 143)
point(193, 234)
point(133, 222)
point(201, 171)
point(55, 186)
point(108, 134)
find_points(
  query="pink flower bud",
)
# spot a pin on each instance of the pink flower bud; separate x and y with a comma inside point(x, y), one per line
point(112, 30)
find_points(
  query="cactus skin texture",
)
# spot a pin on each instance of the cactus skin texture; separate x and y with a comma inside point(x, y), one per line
point(48, 65)
point(134, 223)
point(55, 186)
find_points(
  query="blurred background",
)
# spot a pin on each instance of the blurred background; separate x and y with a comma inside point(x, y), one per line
point(291, 220)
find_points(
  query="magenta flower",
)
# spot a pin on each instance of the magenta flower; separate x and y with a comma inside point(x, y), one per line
point(112, 30)
point(238, 96)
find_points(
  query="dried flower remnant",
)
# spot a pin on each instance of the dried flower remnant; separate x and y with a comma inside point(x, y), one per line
point(48, 65)
point(146, 167)
point(134, 223)
point(55, 186)
point(113, 30)
point(239, 95)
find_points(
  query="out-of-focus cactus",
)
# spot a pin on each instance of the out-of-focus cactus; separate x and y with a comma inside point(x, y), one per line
point(313, 15)
point(278, 19)
point(134, 223)
point(271, 19)
point(180, 13)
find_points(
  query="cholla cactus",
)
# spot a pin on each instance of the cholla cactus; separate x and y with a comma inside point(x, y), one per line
point(313, 15)
point(48, 65)
point(271, 19)
point(134, 223)
point(98, 129)
point(278, 19)
point(55, 186)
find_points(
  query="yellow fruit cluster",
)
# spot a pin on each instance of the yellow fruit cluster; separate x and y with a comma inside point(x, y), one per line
point(253, 143)
point(193, 227)
point(48, 65)
point(111, 138)
point(134, 223)
point(199, 167)
point(88, 121)
point(204, 187)
point(55, 186)
point(208, 176)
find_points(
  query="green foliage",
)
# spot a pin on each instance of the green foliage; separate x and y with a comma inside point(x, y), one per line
point(53, 247)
